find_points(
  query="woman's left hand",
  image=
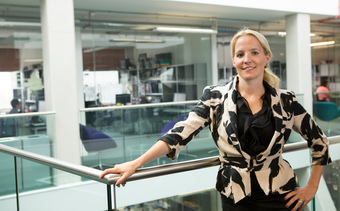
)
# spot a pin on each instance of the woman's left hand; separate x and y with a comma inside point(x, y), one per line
point(302, 196)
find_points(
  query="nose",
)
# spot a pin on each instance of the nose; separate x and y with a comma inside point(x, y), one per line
point(247, 58)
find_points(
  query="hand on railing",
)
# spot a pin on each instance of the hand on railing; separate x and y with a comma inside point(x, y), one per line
point(124, 169)
point(159, 149)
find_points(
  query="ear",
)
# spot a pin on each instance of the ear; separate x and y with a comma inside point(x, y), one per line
point(268, 56)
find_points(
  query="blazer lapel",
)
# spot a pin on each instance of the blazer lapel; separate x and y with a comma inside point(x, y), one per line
point(231, 116)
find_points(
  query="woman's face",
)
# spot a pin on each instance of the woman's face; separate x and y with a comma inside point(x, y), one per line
point(250, 58)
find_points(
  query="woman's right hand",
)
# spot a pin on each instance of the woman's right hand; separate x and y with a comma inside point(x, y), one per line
point(160, 148)
point(125, 170)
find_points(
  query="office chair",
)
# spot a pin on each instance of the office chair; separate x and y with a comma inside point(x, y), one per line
point(96, 141)
point(171, 124)
point(326, 111)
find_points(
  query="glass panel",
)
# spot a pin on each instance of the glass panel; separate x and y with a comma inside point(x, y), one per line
point(62, 191)
point(21, 72)
point(198, 201)
point(331, 176)
point(145, 70)
point(32, 134)
point(132, 131)
point(7, 177)
point(27, 125)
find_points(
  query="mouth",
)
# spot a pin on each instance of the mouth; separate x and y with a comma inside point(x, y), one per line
point(249, 68)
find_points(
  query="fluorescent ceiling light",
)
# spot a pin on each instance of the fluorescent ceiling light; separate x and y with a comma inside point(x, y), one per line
point(187, 30)
point(8, 23)
point(33, 60)
point(322, 43)
point(90, 50)
point(285, 33)
point(282, 33)
point(137, 40)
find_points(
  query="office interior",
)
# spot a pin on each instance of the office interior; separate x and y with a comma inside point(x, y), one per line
point(131, 69)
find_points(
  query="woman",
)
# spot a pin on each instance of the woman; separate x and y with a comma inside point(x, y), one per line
point(250, 120)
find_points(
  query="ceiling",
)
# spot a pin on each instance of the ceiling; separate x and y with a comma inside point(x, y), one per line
point(133, 13)
point(162, 12)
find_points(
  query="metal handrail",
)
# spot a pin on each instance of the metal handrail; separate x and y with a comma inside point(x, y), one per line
point(329, 92)
point(27, 114)
point(142, 173)
point(76, 169)
point(148, 105)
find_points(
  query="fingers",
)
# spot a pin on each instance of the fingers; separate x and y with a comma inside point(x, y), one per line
point(301, 204)
point(121, 179)
point(107, 171)
point(296, 204)
point(297, 199)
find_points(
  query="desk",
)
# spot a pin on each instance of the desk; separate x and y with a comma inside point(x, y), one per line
point(38, 128)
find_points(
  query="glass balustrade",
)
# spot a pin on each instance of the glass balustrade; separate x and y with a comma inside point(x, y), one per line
point(332, 180)
point(135, 130)
point(208, 199)
point(32, 133)
point(42, 188)
point(195, 188)
point(327, 113)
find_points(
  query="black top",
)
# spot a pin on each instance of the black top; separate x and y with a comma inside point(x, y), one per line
point(255, 131)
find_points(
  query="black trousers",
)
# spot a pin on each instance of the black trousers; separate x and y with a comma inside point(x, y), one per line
point(259, 201)
point(265, 203)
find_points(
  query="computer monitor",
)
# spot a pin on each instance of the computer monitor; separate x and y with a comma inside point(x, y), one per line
point(123, 98)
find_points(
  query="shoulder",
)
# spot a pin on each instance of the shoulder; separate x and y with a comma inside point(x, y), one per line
point(322, 89)
point(290, 102)
point(286, 94)
point(215, 91)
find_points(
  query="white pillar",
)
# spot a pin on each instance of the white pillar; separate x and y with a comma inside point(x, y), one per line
point(299, 63)
point(80, 79)
point(214, 62)
point(79, 63)
point(61, 77)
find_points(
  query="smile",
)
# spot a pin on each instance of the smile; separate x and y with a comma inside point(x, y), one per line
point(248, 68)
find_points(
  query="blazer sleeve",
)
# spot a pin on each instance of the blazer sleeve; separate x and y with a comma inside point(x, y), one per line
point(305, 125)
point(184, 131)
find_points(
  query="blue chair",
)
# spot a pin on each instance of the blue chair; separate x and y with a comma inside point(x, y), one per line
point(326, 111)
point(168, 126)
point(171, 124)
point(96, 141)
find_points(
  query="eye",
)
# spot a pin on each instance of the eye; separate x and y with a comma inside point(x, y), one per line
point(255, 53)
point(239, 55)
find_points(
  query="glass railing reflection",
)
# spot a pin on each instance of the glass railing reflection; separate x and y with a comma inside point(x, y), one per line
point(28, 132)
point(327, 112)
point(38, 190)
point(331, 175)
point(208, 199)
point(135, 129)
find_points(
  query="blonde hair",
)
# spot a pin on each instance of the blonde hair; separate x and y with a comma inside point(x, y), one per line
point(269, 76)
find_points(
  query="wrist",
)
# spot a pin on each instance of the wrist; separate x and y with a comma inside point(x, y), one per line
point(137, 163)
point(313, 186)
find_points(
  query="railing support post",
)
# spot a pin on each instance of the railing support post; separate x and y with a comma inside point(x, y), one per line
point(16, 182)
point(109, 198)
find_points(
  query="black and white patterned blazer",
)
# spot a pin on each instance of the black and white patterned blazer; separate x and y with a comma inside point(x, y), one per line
point(217, 109)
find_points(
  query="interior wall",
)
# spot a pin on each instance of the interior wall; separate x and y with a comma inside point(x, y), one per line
point(320, 55)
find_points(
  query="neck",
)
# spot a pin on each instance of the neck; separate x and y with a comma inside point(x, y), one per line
point(249, 88)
